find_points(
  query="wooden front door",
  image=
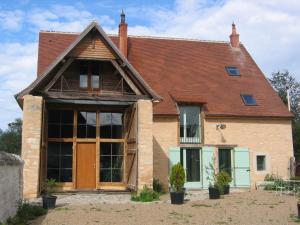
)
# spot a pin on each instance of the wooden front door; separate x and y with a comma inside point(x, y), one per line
point(86, 166)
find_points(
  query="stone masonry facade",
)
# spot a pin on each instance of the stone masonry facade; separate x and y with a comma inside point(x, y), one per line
point(145, 143)
point(31, 144)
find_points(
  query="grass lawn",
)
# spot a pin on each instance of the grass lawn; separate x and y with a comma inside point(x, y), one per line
point(255, 207)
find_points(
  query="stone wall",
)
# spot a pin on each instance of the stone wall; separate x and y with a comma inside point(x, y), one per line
point(165, 135)
point(145, 143)
point(31, 143)
point(11, 182)
point(269, 137)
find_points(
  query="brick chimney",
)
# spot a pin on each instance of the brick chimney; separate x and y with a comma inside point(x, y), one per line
point(234, 37)
point(123, 35)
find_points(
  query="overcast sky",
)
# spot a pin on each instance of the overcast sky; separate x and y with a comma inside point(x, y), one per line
point(269, 29)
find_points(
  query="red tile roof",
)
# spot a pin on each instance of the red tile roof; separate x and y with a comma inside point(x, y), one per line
point(188, 71)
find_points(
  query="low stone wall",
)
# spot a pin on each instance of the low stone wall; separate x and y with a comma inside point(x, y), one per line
point(11, 184)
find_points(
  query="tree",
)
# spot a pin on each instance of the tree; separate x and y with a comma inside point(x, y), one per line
point(283, 82)
point(10, 139)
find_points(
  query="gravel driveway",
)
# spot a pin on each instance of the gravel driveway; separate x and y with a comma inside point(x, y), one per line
point(246, 208)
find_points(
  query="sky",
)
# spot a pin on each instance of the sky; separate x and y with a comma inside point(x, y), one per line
point(269, 29)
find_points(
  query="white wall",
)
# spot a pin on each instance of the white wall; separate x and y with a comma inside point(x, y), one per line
point(11, 167)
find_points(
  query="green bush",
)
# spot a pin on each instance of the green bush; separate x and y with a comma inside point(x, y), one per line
point(50, 186)
point(295, 178)
point(222, 179)
point(25, 213)
point(177, 177)
point(276, 179)
point(146, 195)
point(157, 186)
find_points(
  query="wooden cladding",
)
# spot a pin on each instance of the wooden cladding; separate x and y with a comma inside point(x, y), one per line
point(92, 47)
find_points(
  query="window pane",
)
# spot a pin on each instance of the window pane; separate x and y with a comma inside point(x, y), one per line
point(81, 131)
point(53, 148)
point(261, 162)
point(53, 161)
point(65, 175)
point(91, 118)
point(54, 116)
point(67, 131)
point(53, 174)
point(105, 175)
point(249, 99)
point(67, 116)
point(83, 81)
point(192, 165)
point(95, 81)
point(91, 131)
point(117, 149)
point(225, 160)
point(117, 125)
point(81, 118)
point(67, 148)
point(117, 175)
point(66, 162)
point(105, 125)
point(192, 121)
point(233, 71)
point(105, 161)
point(105, 148)
point(117, 162)
point(53, 130)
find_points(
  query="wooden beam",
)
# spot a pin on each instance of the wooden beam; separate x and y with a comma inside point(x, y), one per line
point(131, 166)
point(126, 78)
point(59, 73)
point(130, 121)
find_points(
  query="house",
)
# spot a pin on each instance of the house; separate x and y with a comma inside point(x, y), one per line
point(115, 112)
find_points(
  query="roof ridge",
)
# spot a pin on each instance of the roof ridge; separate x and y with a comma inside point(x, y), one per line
point(145, 36)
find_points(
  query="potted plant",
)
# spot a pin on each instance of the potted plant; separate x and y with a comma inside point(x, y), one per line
point(49, 200)
point(223, 180)
point(177, 179)
point(214, 188)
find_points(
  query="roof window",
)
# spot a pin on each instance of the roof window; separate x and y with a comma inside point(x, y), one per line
point(233, 71)
point(248, 99)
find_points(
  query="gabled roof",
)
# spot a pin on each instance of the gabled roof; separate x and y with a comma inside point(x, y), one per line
point(187, 71)
point(64, 53)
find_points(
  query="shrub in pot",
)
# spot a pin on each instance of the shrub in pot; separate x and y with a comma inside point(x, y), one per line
point(49, 200)
point(223, 181)
point(177, 178)
point(214, 188)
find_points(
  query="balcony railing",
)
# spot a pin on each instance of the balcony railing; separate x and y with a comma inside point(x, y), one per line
point(190, 134)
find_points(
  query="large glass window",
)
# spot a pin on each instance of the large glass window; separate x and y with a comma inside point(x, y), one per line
point(225, 160)
point(111, 125)
point(189, 124)
point(59, 161)
point(111, 162)
point(60, 123)
point(86, 127)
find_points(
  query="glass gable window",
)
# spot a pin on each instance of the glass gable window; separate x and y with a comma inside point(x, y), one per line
point(233, 71)
point(111, 162)
point(95, 77)
point(248, 99)
point(86, 127)
point(59, 161)
point(111, 125)
point(260, 162)
point(83, 77)
point(190, 124)
point(60, 123)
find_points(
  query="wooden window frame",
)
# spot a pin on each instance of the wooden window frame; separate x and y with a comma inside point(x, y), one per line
point(89, 74)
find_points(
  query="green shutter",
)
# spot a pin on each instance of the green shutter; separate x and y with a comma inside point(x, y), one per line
point(241, 167)
point(207, 158)
point(174, 156)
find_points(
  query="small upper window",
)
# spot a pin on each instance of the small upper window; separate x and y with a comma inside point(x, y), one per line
point(249, 99)
point(260, 162)
point(83, 77)
point(233, 71)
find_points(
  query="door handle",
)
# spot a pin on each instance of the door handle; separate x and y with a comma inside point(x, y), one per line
point(248, 170)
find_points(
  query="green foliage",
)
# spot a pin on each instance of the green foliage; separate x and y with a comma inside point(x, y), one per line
point(146, 195)
point(25, 213)
point(211, 174)
point(177, 177)
point(278, 181)
point(10, 139)
point(223, 179)
point(295, 178)
point(50, 186)
point(157, 186)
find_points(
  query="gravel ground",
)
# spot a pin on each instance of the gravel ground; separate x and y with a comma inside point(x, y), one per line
point(246, 208)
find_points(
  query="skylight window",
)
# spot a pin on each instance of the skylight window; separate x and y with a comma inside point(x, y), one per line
point(248, 99)
point(233, 71)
